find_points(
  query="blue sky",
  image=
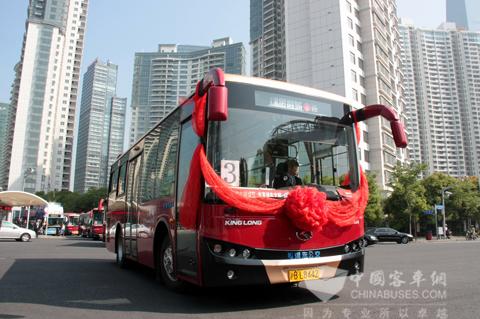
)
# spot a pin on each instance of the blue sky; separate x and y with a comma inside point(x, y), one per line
point(116, 29)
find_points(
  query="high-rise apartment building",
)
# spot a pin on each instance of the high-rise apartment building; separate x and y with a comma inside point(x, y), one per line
point(443, 97)
point(101, 127)
point(347, 47)
point(161, 78)
point(44, 95)
point(267, 39)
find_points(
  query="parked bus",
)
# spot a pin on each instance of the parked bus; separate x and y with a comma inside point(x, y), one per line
point(195, 198)
point(54, 219)
point(92, 224)
point(84, 224)
point(72, 223)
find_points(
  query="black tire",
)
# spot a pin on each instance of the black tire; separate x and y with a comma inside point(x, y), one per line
point(120, 260)
point(165, 268)
point(25, 237)
point(404, 240)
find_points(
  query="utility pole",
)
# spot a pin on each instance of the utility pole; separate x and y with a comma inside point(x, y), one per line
point(443, 208)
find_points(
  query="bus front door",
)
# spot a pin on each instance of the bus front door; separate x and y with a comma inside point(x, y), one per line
point(131, 245)
point(186, 239)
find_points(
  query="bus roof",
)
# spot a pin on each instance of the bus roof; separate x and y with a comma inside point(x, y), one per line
point(275, 84)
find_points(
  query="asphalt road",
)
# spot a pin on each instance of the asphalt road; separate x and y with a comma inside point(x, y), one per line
point(77, 278)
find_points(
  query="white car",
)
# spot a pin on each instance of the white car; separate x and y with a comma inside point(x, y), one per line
point(9, 230)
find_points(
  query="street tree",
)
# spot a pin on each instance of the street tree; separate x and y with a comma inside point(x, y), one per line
point(408, 200)
point(373, 212)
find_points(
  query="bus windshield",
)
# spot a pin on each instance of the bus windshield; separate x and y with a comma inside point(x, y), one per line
point(54, 221)
point(266, 130)
point(73, 220)
point(97, 218)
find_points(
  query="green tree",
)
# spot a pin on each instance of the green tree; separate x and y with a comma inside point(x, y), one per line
point(434, 184)
point(74, 201)
point(464, 202)
point(408, 199)
point(373, 212)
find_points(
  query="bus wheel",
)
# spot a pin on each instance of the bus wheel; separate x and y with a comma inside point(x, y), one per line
point(165, 267)
point(120, 260)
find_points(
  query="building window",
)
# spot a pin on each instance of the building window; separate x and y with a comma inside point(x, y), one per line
point(354, 76)
point(351, 40)
point(366, 156)
point(365, 136)
point(350, 23)
point(355, 94)
point(352, 58)
point(362, 80)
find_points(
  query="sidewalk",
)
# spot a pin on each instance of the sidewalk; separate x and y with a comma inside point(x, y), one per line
point(50, 237)
point(442, 240)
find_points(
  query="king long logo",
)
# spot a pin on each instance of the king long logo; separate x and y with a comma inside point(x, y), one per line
point(242, 222)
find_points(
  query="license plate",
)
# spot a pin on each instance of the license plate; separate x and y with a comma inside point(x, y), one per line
point(304, 274)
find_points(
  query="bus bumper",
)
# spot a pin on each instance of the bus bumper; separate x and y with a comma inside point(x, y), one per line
point(232, 271)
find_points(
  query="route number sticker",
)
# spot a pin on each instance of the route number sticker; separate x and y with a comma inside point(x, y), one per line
point(230, 172)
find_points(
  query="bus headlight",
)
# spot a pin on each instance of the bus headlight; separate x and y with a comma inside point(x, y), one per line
point(232, 252)
point(217, 248)
point(346, 249)
point(246, 253)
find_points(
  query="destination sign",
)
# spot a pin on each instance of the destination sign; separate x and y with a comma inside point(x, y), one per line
point(292, 103)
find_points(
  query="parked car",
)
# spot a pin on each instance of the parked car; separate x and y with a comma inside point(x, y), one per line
point(389, 234)
point(369, 239)
point(9, 230)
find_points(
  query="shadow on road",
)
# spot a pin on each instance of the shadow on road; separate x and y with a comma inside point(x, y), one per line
point(100, 284)
point(86, 244)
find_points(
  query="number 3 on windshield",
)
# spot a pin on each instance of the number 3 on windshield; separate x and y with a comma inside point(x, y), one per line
point(230, 172)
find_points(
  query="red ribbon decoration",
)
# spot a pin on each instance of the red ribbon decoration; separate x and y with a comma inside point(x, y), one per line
point(306, 207)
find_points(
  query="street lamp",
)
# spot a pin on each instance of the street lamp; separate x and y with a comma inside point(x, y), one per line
point(444, 190)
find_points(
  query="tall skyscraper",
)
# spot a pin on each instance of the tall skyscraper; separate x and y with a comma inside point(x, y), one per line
point(101, 128)
point(442, 97)
point(161, 78)
point(267, 39)
point(347, 47)
point(457, 13)
point(44, 95)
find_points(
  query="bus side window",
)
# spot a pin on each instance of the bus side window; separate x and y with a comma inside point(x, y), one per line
point(114, 182)
point(167, 157)
point(122, 180)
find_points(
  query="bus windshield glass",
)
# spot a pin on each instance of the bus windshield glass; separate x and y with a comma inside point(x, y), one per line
point(54, 221)
point(267, 130)
point(97, 218)
point(73, 220)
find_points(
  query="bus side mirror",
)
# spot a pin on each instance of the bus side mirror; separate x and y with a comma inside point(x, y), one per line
point(217, 103)
point(399, 135)
point(389, 114)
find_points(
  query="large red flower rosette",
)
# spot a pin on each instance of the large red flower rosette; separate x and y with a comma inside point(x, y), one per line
point(305, 206)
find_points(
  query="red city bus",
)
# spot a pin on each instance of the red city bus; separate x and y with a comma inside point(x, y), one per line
point(84, 224)
point(208, 196)
point(72, 223)
point(91, 223)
